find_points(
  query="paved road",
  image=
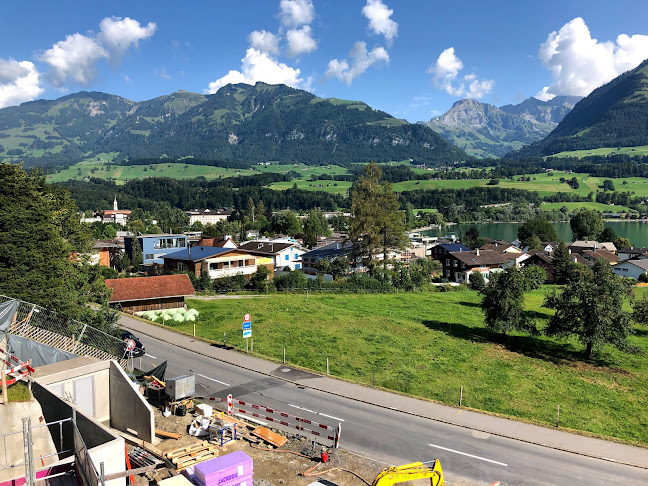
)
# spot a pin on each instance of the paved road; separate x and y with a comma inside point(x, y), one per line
point(401, 430)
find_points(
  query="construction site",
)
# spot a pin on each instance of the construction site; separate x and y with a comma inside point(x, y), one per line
point(78, 410)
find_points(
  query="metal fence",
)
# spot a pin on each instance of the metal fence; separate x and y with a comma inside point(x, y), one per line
point(42, 325)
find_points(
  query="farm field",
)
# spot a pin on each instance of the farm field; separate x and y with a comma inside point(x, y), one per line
point(603, 208)
point(430, 344)
point(639, 150)
point(333, 187)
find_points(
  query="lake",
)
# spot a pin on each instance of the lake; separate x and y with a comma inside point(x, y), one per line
point(635, 231)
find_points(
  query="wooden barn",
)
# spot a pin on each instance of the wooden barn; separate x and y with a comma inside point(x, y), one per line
point(150, 293)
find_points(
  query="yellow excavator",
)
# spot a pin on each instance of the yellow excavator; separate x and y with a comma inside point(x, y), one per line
point(410, 472)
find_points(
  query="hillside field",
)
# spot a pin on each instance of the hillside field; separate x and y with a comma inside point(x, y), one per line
point(430, 344)
point(638, 150)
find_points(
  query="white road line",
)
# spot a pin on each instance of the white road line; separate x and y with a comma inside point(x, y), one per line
point(150, 355)
point(302, 408)
point(469, 455)
point(331, 417)
point(222, 383)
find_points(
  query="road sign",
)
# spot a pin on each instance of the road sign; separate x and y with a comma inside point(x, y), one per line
point(247, 317)
point(130, 345)
point(247, 325)
point(247, 333)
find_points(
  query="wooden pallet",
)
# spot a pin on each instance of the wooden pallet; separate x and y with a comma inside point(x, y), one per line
point(188, 456)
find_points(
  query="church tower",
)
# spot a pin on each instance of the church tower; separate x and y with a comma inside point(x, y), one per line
point(115, 203)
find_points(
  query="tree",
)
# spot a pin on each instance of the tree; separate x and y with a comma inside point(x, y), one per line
point(477, 281)
point(561, 262)
point(286, 222)
point(608, 234)
point(640, 309)
point(591, 309)
point(260, 279)
point(43, 248)
point(608, 185)
point(539, 227)
point(171, 219)
point(136, 253)
point(315, 225)
point(376, 222)
point(410, 217)
point(503, 299)
point(586, 225)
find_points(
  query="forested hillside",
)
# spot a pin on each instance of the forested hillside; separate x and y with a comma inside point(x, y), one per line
point(240, 124)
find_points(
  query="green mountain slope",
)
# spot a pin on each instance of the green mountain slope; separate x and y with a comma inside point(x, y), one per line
point(614, 115)
point(485, 130)
point(240, 123)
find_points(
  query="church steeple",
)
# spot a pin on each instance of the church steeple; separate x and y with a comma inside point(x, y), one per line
point(115, 203)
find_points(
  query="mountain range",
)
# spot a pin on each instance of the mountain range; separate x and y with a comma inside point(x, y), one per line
point(614, 115)
point(239, 123)
point(484, 130)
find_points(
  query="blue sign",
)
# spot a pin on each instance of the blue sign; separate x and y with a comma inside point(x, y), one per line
point(247, 325)
point(247, 333)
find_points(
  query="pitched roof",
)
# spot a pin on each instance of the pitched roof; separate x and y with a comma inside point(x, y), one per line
point(144, 288)
point(451, 247)
point(643, 264)
point(196, 253)
point(634, 250)
point(215, 241)
point(604, 254)
point(485, 257)
point(266, 247)
point(198, 212)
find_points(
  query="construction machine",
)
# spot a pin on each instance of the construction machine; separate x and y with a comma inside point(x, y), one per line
point(410, 472)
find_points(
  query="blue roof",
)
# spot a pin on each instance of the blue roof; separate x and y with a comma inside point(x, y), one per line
point(196, 253)
point(454, 247)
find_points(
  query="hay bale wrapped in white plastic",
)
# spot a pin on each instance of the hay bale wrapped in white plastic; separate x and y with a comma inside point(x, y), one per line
point(193, 311)
point(148, 315)
point(190, 317)
point(155, 317)
point(177, 317)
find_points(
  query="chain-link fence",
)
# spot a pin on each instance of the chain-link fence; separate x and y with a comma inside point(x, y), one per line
point(44, 326)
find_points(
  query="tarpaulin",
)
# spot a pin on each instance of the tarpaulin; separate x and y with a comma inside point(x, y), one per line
point(41, 354)
point(159, 372)
point(7, 311)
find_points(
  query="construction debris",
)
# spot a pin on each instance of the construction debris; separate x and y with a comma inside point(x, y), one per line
point(270, 437)
point(167, 435)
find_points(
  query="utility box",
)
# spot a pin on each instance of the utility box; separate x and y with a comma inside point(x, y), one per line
point(181, 387)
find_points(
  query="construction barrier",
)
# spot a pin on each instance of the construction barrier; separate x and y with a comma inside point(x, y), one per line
point(317, 429)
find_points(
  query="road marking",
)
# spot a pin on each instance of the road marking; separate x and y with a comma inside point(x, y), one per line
point(469, 455)
point(331, 417)
point(302, 408)
point(150, 355)
point(459, 412)
point(222, 383)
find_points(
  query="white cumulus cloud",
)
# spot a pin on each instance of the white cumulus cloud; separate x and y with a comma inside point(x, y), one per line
point(259, 66)
point(75, 59)
point(118, 35)
point(294, 13)
point(445, 73)
point(19, 82)
point(380, 22)
point(300, 41)
point(361, 60)
point(579, 64)
point(264, 41)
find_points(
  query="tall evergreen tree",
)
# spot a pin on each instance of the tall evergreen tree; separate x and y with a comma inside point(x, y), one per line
point(561, 263)
point(42, 248)
point(376, 222)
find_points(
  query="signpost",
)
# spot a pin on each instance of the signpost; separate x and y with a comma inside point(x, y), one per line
point(247, 329)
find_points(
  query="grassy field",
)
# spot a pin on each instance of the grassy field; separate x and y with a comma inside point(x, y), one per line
point(603, 208)
point(430, 344)
point(333, 187)
point(639, 150)
point(18, 392)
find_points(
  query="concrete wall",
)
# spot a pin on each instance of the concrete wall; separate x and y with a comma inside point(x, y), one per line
point(61, 380)
point(102, 444)
point(129, 411)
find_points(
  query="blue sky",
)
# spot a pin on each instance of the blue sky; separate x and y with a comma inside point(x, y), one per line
point(411, 58)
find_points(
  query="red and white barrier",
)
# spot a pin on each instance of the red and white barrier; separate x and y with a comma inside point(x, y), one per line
point(229, 404)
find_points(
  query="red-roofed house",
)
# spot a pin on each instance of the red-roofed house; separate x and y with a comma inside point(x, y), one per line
point(150, 293)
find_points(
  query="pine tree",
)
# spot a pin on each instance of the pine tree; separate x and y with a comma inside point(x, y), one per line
point(376, 222)
point(561, 263)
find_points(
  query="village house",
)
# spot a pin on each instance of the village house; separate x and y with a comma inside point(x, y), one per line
point(459, 265)
point(633, 253)
point(327, 252)
point(438, 252)
point(283, 254)
point(217, 261)
point(593, 255)
point(631, 268)
point(580, 246)
point(208, 216)
point(106, 252)
point(150, 293)
point(154, 247)
point(218, 241)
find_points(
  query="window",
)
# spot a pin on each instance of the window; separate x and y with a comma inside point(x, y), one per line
point(169, 243)
point(149, 256)
point(287, 256)
point(296, 257)
point(297, 266)
point(181, 267)
point(455, 263)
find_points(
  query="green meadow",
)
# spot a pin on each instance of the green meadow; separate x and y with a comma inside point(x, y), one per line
point(430, 344)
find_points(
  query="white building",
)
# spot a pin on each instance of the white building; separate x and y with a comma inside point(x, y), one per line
point(208, 216)
point(283, 254)
point(631, 268)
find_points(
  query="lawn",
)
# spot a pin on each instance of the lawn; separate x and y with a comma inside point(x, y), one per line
point(333, 187)
point(431, 344)
point(603, 208)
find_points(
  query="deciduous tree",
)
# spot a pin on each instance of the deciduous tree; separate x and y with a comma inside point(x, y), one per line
point(539, 227)
point(586, 225)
